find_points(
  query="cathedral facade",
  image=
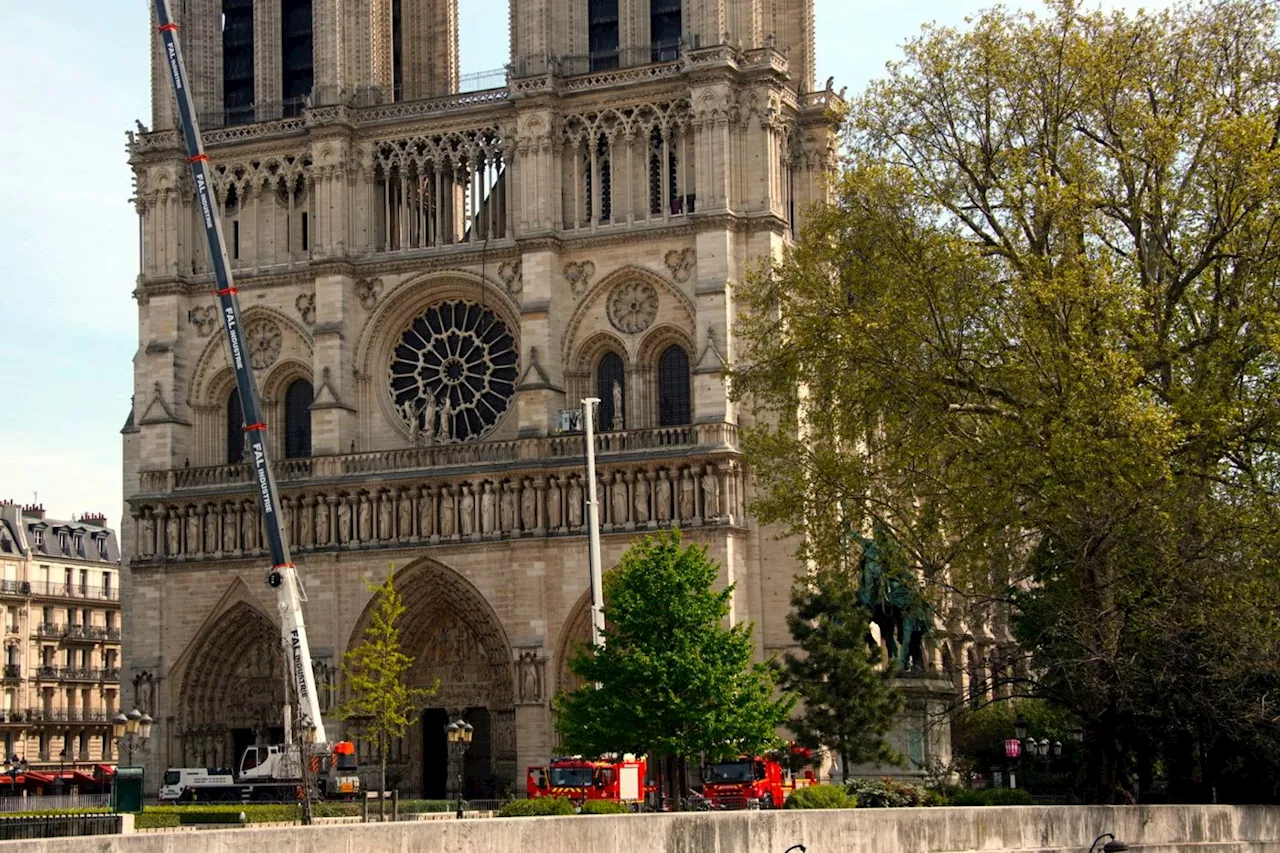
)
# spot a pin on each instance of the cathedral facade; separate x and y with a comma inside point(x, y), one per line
point(431, 281)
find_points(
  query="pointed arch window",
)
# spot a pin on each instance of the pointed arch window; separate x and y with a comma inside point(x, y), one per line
point(297, 419)
point(235, 428)
point(674, 407)
point(298, 70)
point(237, 61)
point(611, 370)
point(602, 34)
point(665, 27)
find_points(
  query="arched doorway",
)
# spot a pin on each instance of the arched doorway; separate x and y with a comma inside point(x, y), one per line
point(456, 638)
point(232, 690)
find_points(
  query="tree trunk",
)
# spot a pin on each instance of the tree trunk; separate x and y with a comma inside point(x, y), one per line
point(844, 770)
point(1107, 767)
point(382, 778)
point(673, 784)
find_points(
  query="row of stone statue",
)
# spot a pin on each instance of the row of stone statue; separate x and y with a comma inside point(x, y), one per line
point(442, 512)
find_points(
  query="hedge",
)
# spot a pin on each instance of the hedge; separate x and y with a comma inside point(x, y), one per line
point(991, 797)
point(537, 807)
point(891, 794)
point(604, 807)
point(820, 797)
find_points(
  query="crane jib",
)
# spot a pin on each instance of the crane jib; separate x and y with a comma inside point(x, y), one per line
point(283, 576)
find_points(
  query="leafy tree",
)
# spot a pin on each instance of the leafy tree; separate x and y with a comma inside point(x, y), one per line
point(377, 699)
point(673, 680)
point(848, 701)
point(1035, 335)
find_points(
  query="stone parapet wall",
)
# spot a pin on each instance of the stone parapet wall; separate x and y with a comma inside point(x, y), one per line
point(1051, 829)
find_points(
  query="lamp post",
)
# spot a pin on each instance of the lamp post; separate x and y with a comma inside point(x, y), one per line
point(13, 766)
point(131, 732)
point(458, 733)
point(58, 784)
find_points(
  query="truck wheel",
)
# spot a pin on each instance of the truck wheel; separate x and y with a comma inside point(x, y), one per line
point(766, 802)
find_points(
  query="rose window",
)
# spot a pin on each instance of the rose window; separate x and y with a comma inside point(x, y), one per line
point(633, 305)
point(453, 373)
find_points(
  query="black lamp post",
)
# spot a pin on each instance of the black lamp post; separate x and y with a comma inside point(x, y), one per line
point(1111, 846)
point(458, 734)
point(14, 765)
point(131, 732)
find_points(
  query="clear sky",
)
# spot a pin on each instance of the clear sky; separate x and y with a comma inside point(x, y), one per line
point(77, 77)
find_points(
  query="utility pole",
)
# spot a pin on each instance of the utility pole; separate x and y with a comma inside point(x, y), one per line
point(593, 524)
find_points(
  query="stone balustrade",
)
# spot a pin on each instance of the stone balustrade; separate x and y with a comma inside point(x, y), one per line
point(481, 491)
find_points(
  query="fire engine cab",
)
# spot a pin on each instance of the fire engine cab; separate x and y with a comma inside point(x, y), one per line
point(745, 782)
point(620, 780)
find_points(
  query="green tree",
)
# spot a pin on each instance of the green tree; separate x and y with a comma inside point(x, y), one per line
point(847, 698)
point(377, 700)
point(673, 680)
point(1035, 335)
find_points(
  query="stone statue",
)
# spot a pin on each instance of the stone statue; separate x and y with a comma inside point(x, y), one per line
point(288, 519)
point(344, 519)
point(530, 683)
point(528, 506)
point(146, 536)
point(322, 521)
point(426, 514)
point(410, 413)
point(508, 508)
point(366, 519)
point(468, 517)
point(641, 500)
point(618, 512)
point(211, 528)
point(710, 495)
point(554, 518)
point(406, 515)
point(429, 419)
point(252, 527)
point(686, 497)
point(230, 529)
point(664, 498)
point(446, 421)
point(386, 517)
point(448, 516)
point(173, 534)
point(617, 405)
point(193, 532)
point(487, 501)
point(575, 503)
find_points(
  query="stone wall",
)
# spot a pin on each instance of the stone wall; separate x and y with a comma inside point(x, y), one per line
point(1151, 829)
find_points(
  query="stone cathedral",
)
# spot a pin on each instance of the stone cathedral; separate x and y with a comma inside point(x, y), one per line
point(432, 280)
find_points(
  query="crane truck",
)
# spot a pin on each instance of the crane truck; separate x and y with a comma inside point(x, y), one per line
point(277, 767)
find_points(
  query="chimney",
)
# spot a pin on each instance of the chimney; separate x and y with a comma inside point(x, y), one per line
point(35, 511)
point(94, 518)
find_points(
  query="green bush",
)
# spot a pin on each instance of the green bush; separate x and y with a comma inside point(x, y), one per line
point(820, 797)
point(991, 797)
point(253, 812)
point(887, 794)
point(537, 807)
point(604, 807)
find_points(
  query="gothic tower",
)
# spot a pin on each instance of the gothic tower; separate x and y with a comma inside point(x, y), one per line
point(432, 280)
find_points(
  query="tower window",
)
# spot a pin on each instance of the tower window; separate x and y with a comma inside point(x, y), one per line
point(602, 34)
point(298, 72)
point(665, 27)
point(673, 388)
point(235, 429)
point(237, 61)
point(397, 50)
point(297, 419)
point(609, 372)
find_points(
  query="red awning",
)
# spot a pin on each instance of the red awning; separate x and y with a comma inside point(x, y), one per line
point(79, 777)
point(106, 769)
point(38, 778)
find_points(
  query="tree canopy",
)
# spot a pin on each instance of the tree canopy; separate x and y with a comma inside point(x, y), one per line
point(673, 679)
point(1036, 335)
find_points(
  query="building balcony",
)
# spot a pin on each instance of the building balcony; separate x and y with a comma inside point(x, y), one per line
point(15, 588)
point(50, 589)
point(50, 631)
point(690, 476)
point(14, 716)
point(67, 715)
point(12, 672)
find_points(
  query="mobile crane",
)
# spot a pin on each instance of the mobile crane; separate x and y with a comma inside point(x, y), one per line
point(276, 766)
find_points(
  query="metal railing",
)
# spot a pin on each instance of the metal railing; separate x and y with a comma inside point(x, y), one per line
point(58, 826)
point(15, 588)
point(81, 592)
point(51, 802)
point(12, 670)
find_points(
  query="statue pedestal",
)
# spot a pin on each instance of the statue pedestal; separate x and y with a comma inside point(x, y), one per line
point(921, 732)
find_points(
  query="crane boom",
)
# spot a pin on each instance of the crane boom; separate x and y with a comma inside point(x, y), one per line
point(283, 576)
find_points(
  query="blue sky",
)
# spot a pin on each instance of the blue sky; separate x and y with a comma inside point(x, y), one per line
point(77, 76)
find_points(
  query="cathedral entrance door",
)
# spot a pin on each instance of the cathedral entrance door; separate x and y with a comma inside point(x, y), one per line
point(435, 755)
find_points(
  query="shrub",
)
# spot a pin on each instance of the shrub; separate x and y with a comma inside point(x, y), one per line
point(820, 797)
point(887, 794)
point(991, 797)
point(537, 807)
point(604, 807)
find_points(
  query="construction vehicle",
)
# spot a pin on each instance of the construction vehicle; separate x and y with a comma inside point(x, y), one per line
point(748, 781)
point(266, 774)
point(280, 766)
point(619, 779)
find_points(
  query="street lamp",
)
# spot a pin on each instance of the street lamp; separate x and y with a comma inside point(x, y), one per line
point(1020, 728)
point(62, 765)
point(458, 733)
point(131, 732)
point(1111, 846)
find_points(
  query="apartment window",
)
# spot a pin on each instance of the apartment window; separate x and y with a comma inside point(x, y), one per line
point(71, 616)
point(102, 547)
point(84, 582)
point(86, 617)
point(298, 72)
point(38, 536)
point(64, 542)
point(106, 584)
point(110, 618)
point(602, 34)
point(83, 752)
point(46, 615)
point(44, 747)
point(237, 61)
point(110, 660)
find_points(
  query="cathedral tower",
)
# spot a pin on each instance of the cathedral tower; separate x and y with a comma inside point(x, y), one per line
point(432, 281)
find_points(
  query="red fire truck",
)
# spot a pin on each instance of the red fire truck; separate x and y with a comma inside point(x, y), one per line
point(748, 780)
point(620, 780)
